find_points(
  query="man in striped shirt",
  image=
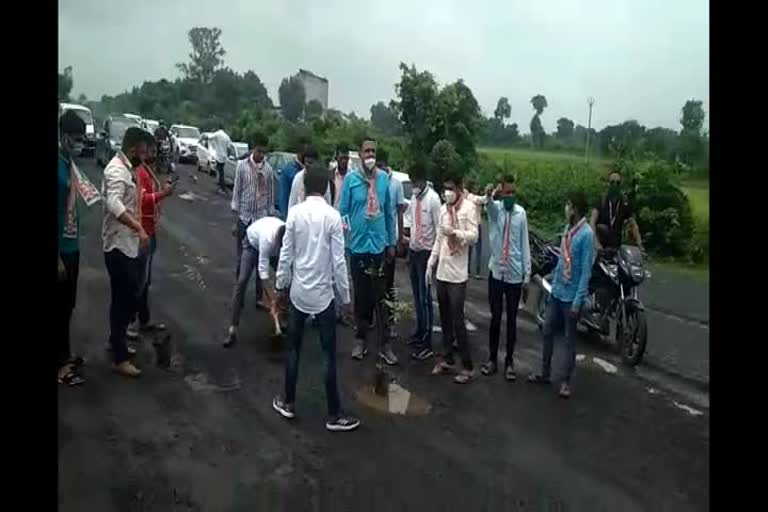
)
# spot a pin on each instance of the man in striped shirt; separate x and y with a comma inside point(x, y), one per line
point(252, 192)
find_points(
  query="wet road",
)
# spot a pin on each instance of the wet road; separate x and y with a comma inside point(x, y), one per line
point(203, 436)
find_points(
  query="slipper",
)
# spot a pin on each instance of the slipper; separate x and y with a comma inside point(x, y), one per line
point(441, 368)
point(71, 379)
point(464, 377)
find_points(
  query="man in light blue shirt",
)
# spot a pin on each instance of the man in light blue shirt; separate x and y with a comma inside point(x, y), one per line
point(367, 212)
point(510, 269)
point(570, 285)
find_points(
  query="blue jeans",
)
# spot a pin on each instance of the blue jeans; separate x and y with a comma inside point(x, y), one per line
point(422, 297)
point(327, 328)
point(558, 312)
point(145, 279)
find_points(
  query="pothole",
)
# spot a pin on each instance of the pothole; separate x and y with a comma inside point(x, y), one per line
point(393, 399)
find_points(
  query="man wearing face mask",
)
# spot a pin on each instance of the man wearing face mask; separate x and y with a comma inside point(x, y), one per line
point(570, 285)
point(287, 173)
point(510, 269)
point(456, 234)
point(123, 237)
point(366, 209)
point(611, 214)
point(424, 212)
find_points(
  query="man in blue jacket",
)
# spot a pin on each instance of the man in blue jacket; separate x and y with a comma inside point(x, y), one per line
point(569, 289)
point(368, 214)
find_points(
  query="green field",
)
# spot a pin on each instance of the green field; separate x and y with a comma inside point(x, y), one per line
point(698, 195)
point(519, 155)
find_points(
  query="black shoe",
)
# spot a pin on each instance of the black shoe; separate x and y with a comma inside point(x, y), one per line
point(342, 423)
point(230, 340)
point(509, 373)
point(489, 368)
point(423, 354)
point(285, 410)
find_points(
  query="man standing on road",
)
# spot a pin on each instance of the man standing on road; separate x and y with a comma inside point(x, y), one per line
point(123, 236)
point(311, 264)
point(287, 173)
point(218, 142)
point(339, 170)
point(398, 205)
point(252, 193)
point(297, 194)
point(151, 196)
point(611, 214)
point(263, 241)
point(367, 210)
point(455, 236)
point(71, 135)
point(569, 288)
point(424, 212)
point(477, 249)
point(510, 266)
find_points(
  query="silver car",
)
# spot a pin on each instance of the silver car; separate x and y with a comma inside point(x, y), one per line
point(235, 151)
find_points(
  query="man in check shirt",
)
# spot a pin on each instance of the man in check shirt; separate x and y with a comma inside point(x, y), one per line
point(252, 193)
point(510, 266)
point(263, 241)
point(311, 263)
point(424, 212)
point(122, 238)
point(456, 234)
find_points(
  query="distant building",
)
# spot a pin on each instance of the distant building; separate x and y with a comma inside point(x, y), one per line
point(315, 87)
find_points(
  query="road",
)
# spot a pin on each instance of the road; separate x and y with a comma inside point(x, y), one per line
point(203, 436)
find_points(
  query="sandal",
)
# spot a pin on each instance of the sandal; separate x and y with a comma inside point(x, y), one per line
point(441, 368)
point(464, 377)
point(565, 391)
point(71, 379)
point(535, 378)
point(489, 368)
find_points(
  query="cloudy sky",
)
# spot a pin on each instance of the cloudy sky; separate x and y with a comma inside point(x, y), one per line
point(639, 59)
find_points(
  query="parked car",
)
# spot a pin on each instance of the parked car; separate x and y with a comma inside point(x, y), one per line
point(205, 159)
point(84, 113)
point(277, 160)
point(185, 139)
point(111, 137)
point(235, 151)
point(137, 117)
point(150, 125)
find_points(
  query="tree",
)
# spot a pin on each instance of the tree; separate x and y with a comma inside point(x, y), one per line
point(444, 161)
point(65, 84)
point(503, 110)
point(461, 120)
point(384, 118)
point(207, 54)
point(313, 109)
point(662, 142)
point(693, 117)
point(564, 128)
point(622, 139)
point(82, 99)
point(253, 92)
point(539, 103)
point(292, 98)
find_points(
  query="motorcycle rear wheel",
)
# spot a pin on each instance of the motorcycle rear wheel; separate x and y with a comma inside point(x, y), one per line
point(632, 337)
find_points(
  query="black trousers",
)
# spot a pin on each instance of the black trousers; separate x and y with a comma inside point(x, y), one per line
point(124, 282)
point(220, 172)
point(389, 283)
point(450, 300)
point(498, 292)
point(66, 297)
point(369, 288)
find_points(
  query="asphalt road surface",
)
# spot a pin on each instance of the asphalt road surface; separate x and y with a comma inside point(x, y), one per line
point(203, 436)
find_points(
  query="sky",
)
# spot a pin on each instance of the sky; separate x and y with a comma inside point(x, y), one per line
point(639, 59)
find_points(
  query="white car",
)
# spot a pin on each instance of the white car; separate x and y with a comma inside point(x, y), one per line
point(136, 117)
point(185, 139)
point(205, 159)
point(150, 125)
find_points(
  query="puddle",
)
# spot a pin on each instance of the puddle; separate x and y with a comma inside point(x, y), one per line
point(398, 400)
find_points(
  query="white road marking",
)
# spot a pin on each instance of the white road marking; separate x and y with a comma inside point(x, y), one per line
point(605, 365)
point(687, 408)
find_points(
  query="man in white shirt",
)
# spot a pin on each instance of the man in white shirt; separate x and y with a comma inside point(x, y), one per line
point(122, 236)
point(218, 142)
point(311, 262)
point(424, 212)
point(263, 240)
point(456, 234)
point(298, 193)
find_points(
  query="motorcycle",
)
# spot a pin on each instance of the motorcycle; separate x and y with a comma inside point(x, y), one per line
point(164, 156)
point(612, 298)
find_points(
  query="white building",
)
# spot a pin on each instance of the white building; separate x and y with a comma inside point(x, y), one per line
point(315, 87)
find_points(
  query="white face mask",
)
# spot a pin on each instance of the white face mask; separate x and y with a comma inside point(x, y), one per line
point(450, 196)
point(369, 163)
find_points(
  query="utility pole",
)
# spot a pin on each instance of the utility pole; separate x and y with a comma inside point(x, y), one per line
point(590, 102)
